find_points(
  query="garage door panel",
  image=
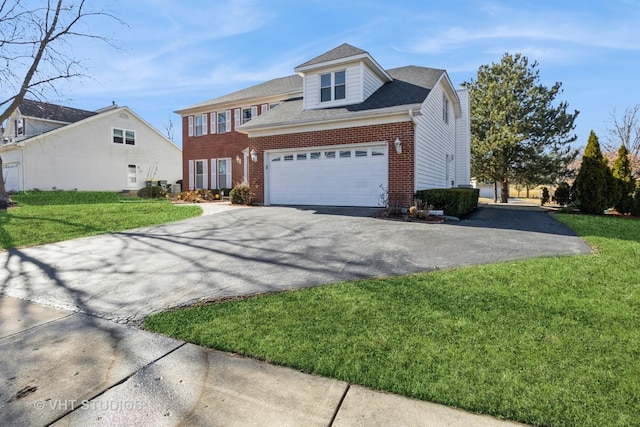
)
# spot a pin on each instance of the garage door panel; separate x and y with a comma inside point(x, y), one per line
point(327, 180)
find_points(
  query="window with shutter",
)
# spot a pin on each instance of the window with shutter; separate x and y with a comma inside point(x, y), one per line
point(212, 127)
point(236, 113)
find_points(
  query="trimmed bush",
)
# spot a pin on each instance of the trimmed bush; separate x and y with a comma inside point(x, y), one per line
point(453, 201)
point(544, 199)
point(153, 192)
point(562, 196)
point(241, 195)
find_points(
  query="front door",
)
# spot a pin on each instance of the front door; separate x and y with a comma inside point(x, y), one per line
point(132, 177)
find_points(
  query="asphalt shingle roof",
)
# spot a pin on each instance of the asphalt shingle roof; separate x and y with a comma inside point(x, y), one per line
point(345, 50)
point(282, 85)
point(43, 110)
point(409, 87)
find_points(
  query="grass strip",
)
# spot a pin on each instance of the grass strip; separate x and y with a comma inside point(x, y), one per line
point(45, 217)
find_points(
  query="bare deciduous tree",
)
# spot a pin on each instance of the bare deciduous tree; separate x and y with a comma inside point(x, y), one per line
point(625, 130)
point(36, 51)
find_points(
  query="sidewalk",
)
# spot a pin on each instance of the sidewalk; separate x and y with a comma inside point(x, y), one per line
point(64, 368)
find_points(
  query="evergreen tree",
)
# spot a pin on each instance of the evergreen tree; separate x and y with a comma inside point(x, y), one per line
point(518, 132)
point(593, 185)
point(626, 182)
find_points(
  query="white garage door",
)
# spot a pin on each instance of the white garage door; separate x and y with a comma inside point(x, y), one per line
point(11, 173)
point(335, 176)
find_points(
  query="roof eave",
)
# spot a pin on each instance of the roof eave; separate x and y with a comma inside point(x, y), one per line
point(350, 116)
point(204, 107)
point(365, 57)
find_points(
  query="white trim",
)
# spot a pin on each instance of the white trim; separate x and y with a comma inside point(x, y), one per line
point(204, 124)
point(192, 175)
point(338, 122)
point(237, 118)
point(214, 172)
point(190, 120)
point(213, 125)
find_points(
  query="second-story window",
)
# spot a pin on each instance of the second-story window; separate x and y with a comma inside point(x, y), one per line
point(199, 123)
point(126, 137)
point(222, 122)
point(246, 115)
point(445, 109)
point(333, 86)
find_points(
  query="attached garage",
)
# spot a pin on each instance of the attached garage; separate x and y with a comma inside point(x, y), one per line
point(343, 175)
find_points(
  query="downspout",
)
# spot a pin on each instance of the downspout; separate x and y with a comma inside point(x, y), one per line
point(415, 137)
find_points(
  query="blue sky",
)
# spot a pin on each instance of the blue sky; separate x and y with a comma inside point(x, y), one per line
point(173, 54)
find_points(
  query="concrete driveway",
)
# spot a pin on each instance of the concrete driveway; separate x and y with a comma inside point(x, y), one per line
point(125, 276)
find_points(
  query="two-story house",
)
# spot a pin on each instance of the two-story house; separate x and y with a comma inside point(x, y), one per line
point(342, 131)
point(47, 146)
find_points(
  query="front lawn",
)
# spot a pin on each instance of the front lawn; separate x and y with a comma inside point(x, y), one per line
point(549, 341)
point(51, 216)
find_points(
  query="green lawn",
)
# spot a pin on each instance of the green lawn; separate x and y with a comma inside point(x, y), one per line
point(549, 341)
point(51, 216)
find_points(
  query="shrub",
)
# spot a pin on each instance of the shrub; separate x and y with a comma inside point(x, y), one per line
point(153, 192)
point(635, 206)
point(562, 196)
point(595, 186)
point(453, 201)
point(544, 199)
point(626, 182)
point(241, 195)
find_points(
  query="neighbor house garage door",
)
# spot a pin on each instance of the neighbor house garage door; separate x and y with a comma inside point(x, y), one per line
point(334, 176)
point(11, 172)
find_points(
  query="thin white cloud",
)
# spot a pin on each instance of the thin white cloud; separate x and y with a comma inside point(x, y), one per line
point(567, 28)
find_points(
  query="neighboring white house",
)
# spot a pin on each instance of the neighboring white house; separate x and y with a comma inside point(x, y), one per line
point(48, 146)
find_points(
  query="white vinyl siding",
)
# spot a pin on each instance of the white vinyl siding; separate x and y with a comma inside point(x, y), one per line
point(434, 144)
point(370, 81)
point(90, 161)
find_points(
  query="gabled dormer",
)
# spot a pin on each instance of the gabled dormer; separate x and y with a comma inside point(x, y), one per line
point(342, 76)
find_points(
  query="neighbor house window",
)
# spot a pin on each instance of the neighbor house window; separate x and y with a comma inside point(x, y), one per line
point(121, 136)
point(333, 86)
point(445, 109)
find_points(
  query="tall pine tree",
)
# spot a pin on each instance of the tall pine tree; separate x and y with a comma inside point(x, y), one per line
point(594, 185)
point(518, 131)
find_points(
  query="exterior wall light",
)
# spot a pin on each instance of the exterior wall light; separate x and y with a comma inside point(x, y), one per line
point(398, 145)
point(254, 155)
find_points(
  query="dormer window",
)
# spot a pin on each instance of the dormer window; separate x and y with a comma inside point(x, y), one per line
point(333, 86)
